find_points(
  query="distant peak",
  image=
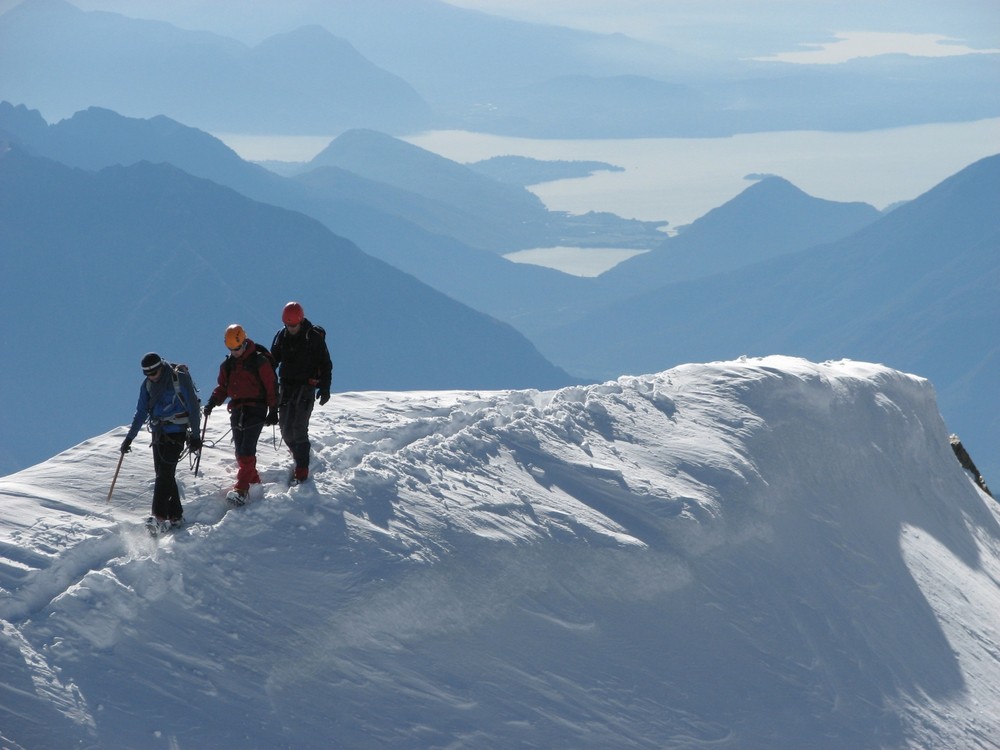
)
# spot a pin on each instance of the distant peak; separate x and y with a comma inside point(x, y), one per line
point(99, 117)
point(363, 140)
point(96, 112)
point(772, 183)
point(21, 114)
point(365, 134)
point(308, 36)
point(310, 30)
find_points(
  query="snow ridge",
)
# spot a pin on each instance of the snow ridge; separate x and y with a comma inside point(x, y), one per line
point(758, 553)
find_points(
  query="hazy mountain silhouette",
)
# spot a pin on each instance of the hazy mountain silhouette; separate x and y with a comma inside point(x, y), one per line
point(760, 309)
point(479, 210)
point(524, 171)
point(96, 137)
point(882, 92)
point(528, 297)
point(487, 203)
point(864, 93)
point(348, 204)
point(102, 267)
point(915, 290)
point(516, 78)
point(459, 59)
point(771, 217)
point(485, 73)
point(60, 59)
point(602, 106)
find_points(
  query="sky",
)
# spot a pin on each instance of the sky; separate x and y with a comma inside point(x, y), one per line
point(753, 553)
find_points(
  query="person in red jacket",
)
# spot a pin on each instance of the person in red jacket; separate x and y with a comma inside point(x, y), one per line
point(247, 379)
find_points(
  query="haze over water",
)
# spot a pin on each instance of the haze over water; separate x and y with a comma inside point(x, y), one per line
point(680, 179)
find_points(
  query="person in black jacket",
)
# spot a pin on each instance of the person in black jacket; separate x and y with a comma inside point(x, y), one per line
point(304, 374)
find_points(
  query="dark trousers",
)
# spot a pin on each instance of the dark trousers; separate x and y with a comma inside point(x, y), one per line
point(167, 449)
point(248, 422)
point(293, 419)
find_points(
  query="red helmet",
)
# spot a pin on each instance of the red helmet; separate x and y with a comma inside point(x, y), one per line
point(293, 314)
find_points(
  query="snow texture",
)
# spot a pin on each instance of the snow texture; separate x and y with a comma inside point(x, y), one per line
point(763, 553)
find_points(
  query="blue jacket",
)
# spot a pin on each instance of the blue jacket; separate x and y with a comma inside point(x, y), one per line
point(165, 408)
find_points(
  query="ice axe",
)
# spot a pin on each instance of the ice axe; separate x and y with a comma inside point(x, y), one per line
point(115, 480)
point(197, 461)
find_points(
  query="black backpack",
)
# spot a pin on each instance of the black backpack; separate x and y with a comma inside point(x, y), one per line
point(261, 354)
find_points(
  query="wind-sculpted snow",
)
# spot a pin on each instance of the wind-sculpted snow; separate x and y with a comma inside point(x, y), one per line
point(761, 553)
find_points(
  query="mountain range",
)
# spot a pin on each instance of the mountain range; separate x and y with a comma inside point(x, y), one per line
point(64, 59)
point(915, 289)
point(442, 221)
point(771, 218)
point(427, 237)
point(107, 265)
point(322, 68)
point(637, 317)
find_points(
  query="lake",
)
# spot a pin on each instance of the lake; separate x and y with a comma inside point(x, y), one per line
point(678, 180)
point(681, 179)
point(578, 261)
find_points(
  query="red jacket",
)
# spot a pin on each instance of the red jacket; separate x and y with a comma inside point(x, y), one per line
point(247, 379)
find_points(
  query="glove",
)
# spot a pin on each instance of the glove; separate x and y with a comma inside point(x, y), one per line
point(323, 397)
point(194, 443)
point(126, 445)
point(272, 417)
point(208, 408)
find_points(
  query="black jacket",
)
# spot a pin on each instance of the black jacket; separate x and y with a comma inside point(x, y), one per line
point(302, 359)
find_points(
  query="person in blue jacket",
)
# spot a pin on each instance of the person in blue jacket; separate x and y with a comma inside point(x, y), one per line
point(168, 400)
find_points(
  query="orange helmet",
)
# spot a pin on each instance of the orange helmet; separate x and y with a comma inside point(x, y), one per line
point(293, 314)
point(235, 337)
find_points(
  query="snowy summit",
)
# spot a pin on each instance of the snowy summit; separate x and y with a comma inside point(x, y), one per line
point(763, 553)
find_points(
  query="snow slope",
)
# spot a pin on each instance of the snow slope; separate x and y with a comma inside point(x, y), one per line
point(763, 553)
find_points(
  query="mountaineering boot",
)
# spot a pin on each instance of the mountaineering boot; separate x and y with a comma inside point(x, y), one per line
point(156, 526)
point(236, 497)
